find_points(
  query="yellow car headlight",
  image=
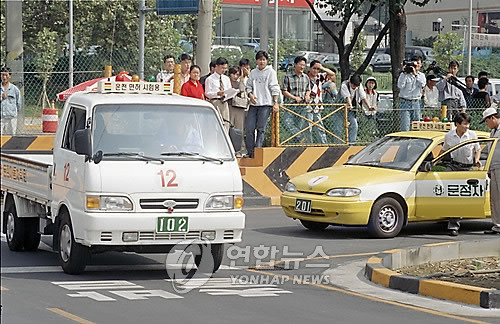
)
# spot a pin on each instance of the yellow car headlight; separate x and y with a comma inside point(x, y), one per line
point(343, 192)
point(290, 187)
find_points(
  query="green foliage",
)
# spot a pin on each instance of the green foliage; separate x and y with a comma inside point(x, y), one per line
point(357, 56)
point(45, 46)
point(486, 64)
point(427, 42)
point(448, 47)
point(233, 56)
point(285, 47)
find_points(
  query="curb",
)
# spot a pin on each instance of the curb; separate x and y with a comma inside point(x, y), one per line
point(380, 269)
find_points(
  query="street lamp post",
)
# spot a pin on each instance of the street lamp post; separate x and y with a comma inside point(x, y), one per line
point(439, 20)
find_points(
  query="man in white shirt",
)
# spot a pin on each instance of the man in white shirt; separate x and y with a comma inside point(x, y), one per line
point(492, 119)
point(214, 90)
point(464, 158)
point(166, 76)
point(353, 93)
point(431, 93)
point(410, 83)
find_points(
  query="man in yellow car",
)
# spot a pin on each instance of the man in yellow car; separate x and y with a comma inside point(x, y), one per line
point(462, 159)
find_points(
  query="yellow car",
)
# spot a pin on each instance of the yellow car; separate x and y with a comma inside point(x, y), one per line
point(400, 178)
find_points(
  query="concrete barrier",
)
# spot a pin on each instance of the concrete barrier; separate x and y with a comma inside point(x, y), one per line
point(380, 269)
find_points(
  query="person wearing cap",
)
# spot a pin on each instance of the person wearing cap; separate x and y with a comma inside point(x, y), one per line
point(492, 119)
point(431, 93)
point(463, 158)
point(370, 105)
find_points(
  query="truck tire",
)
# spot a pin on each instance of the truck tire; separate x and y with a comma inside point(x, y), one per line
point(14, 226)
point(314, 226)
point(387, 218)
point(210, 257)
point(31, 235)
point(73, 256)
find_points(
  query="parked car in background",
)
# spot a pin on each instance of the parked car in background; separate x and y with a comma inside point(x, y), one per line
point(329, 59)
point(381, 63)
point(426, 53)
point(308, 55)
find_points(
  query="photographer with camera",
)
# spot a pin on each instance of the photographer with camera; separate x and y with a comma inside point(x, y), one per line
point(450, 91)
point(410, 83)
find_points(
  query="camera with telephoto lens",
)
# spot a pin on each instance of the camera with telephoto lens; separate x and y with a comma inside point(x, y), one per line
point(408, 66)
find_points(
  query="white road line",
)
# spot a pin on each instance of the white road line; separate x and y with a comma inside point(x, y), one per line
point(132, 267)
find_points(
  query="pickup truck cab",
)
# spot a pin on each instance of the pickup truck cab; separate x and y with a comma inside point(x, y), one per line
point(130, 171)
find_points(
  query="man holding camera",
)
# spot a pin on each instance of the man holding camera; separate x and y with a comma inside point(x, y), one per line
point(410, 83)
point(449, 93)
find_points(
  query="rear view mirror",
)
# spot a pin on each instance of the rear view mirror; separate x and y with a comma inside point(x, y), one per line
point(82, 142)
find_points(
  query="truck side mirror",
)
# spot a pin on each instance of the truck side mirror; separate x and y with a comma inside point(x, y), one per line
point(82, 142)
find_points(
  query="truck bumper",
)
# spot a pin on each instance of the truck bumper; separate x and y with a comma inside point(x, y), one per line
point(107, 229)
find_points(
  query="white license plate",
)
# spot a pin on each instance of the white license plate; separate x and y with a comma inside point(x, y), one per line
point(303, 205)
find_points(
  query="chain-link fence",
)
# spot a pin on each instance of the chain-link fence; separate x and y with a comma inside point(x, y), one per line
point(334, 124)
point(87, 66)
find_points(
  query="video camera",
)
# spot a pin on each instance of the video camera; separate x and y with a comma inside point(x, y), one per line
point(408, 66)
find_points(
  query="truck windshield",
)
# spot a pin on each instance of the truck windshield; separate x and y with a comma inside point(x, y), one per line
point(391, 152)
point(158, 131)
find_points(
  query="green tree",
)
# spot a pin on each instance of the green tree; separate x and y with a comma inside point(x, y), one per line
point(448, 47)
point(357, 56)
point(45, 46)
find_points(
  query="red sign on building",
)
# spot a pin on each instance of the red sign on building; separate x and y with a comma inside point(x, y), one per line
point(281, 3)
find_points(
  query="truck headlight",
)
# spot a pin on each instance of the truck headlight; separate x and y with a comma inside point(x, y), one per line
point(290, 187)
point(343, 192)
point(108, 203)
point(220, 202)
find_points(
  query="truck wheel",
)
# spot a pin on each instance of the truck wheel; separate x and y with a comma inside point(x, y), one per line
point(31, 235)
point(14, 225)
point(314, 226)
point(73, 256)
point(386, 219)
point(210, 258)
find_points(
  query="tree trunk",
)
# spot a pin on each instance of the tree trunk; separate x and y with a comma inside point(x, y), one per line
point(345, 67)
point(397, 41)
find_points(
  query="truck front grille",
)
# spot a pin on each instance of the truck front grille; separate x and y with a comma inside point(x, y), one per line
point(159, 203)
point(152, 236)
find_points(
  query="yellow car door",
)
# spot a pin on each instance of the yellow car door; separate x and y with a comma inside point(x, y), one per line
point(443, 192)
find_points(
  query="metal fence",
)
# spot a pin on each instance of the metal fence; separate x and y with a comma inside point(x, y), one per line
point(334, 124)
point(87, 66)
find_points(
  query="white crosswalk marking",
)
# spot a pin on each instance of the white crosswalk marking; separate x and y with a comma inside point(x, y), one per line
point(144, 294)
point(95, 285)
point(252, 292)
point(92, 295)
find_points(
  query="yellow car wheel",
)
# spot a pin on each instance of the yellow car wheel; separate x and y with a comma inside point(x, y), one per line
point(387, 218)
point(314, 226)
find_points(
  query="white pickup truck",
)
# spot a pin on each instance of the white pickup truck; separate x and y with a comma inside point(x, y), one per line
point(133, 168)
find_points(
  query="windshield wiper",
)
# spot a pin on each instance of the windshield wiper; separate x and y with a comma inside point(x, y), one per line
point(193, 154)
point(135, 155)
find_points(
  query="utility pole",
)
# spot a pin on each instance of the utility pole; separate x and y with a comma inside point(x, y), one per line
point(204, 44)
point(14, 48)
point(71, 48)
point(276, 36)
point(469, 48)
point(263, 30)
point(142, 18)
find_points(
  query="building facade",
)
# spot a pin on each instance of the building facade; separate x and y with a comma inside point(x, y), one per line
point(239, 22)
point(447, 15)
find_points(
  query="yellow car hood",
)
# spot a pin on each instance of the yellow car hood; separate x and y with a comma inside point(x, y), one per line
point(348, 176)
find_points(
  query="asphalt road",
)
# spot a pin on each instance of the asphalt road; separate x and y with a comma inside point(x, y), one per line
point(131, 288)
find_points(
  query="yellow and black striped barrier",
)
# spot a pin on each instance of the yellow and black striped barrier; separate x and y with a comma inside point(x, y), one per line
point(27, 144)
